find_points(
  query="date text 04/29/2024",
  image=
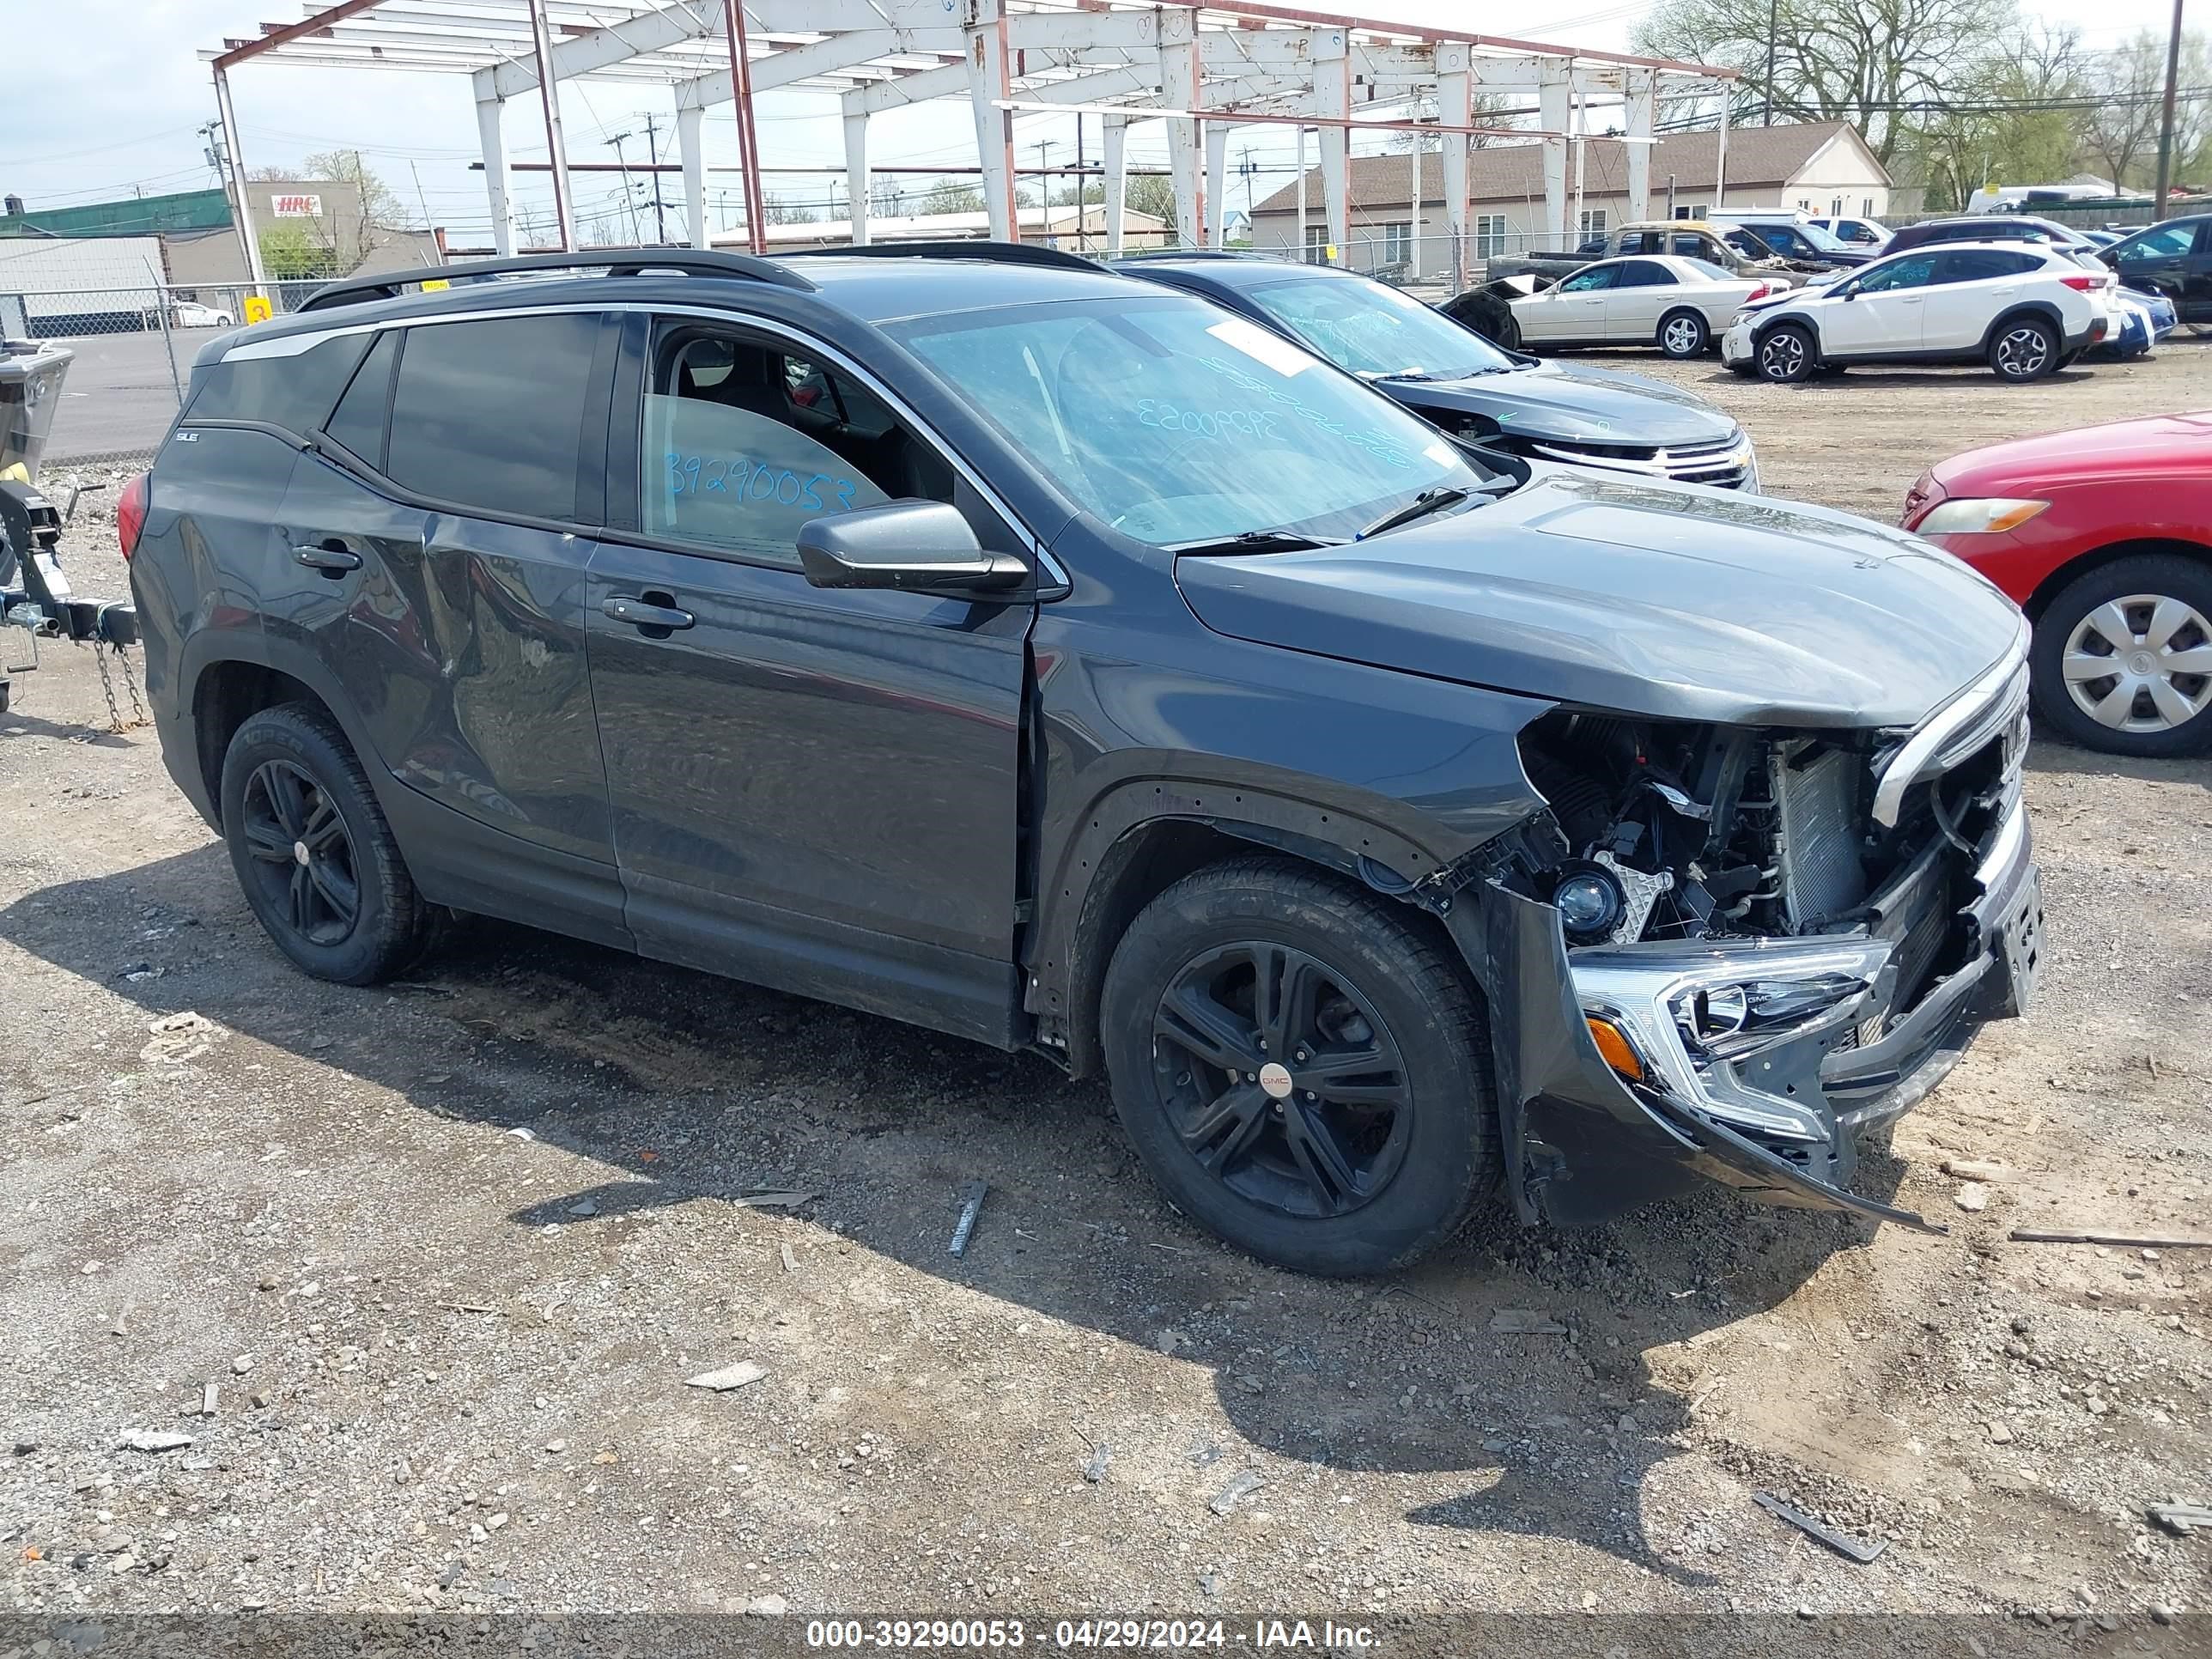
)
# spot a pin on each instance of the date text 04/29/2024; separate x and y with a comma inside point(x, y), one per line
point(1153, 1635)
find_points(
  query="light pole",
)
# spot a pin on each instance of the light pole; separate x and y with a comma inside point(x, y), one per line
point(2165, 120)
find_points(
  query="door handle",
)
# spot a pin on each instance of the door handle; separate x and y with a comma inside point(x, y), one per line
point(329, 557)
point(642, 613)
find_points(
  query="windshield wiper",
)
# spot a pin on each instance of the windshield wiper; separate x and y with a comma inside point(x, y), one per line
point(1258, 541)
point(1428, 501)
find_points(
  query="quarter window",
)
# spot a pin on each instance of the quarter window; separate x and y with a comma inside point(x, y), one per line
point(358, 422)
point(488, 415)
point(743, 444)
point(292, 393)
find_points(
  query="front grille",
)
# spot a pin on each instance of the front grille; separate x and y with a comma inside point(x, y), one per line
point(1725, 463)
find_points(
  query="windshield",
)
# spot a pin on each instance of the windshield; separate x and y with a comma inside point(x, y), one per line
point(1177, 423)
point(1371, 329)
point(1824, 239)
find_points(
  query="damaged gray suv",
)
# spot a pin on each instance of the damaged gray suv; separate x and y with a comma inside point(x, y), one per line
point(979, 639)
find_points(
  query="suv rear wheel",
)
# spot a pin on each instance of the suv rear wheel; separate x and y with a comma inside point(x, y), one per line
point(316, 859)
point(2122, 658)
point(2024, 349)
point(1301, 1070)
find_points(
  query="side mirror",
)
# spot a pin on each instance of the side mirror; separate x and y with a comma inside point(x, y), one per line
point(923, 547)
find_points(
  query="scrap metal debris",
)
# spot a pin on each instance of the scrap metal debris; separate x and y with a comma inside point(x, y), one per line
point(729, 1376)
point(153, 1440)
point(970, 1207)
point(1842, 1543)
point(2181, 1519)
point(1101, 1456)
point(774, 1200)
point(1520, 1322)
point(2118, 1240)
point(1235, 1493)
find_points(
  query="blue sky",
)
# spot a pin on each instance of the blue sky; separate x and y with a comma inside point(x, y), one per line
point(109, 104)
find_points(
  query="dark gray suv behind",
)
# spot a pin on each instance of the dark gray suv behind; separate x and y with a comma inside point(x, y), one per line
point(979, 639)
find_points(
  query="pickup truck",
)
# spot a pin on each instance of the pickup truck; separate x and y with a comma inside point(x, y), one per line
point(1731, 247)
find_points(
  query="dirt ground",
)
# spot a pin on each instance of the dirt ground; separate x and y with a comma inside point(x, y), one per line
point(442, 1255)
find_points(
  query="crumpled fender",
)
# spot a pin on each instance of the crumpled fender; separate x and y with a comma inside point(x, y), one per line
point(1578, 1146)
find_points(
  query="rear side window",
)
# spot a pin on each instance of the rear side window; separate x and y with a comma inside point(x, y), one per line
point(293, 393)
point(490, 414)
point(1977, 265)
point(1642, 273)
point(358, 420)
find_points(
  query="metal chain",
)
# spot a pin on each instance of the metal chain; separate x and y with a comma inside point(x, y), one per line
point(131, 686)
point(107, 690)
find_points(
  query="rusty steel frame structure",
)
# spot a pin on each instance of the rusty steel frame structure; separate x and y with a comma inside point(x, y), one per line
point(1200, 67)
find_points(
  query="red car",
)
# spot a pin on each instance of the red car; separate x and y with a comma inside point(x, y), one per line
point(2104, 536)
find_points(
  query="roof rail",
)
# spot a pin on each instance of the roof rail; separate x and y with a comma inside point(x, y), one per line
point(1012, 253)
point(614, 261)
point(1137, 255)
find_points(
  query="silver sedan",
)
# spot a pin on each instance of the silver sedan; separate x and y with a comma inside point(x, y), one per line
point(1681, 306)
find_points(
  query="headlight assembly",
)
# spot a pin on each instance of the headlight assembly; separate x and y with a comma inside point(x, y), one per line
point(1983, 517)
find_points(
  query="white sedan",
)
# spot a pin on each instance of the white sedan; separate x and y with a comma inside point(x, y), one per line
point(1681, 306)
point(190, 313)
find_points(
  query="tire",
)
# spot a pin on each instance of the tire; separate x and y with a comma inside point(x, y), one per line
point(289, 770)
point(2174, 718)
point(1509, 334)
point(1396, 1178)
point(1787, 356)
point(1683, 334)
point(2024, 349)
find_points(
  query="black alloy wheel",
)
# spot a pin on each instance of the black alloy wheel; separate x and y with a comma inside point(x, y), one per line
point(314, 853)
point(302, 858)
point(1303, 1064)
point(1282, 1079)
point(1786, 354)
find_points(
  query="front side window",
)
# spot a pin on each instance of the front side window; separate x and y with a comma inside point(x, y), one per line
point(488, 415)
point(1177, 423)
point(2165, 242)
point(1916, 270)
point(1590, 281)
point(1373, 329)
point(742, 443)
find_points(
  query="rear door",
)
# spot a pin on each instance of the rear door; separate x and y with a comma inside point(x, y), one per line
point(1971, 286)
point(1643, 290)
point(815, 789)
point(2195, 301)
point(441, 531)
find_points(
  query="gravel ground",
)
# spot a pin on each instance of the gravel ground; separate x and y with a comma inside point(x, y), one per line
point(417, 1274)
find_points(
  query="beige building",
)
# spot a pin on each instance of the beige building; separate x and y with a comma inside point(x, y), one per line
point(328, 211)
point(1820, 166)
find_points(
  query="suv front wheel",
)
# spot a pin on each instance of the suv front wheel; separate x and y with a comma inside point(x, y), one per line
point(1787, 355)
point(316, 859)
point(1302, 1070)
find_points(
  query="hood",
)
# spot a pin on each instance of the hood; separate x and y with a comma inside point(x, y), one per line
point(2159, 445)
point(1663, 600)
point(1586, 405)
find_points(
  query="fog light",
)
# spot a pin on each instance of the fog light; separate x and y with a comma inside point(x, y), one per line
point(1590, 902)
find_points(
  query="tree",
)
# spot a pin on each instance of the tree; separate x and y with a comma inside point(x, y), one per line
point(379, 206)
point(1853, 60)
point(291, 253)
point(1153, 193)
point(782, 210)
point(951, 196)
point(2017, 121)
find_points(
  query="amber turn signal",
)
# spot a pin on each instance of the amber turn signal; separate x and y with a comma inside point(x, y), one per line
point(1615, 1047)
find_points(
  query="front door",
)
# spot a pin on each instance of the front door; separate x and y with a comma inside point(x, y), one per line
point(1642, 293)
point(815, 789)
point(1883, 310)
point(1574, 311)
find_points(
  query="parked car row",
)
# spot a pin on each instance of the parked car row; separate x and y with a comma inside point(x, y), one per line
point(1117, 670)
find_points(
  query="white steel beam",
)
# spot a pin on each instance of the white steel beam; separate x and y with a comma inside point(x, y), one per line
point(1642, 106)
point(497, 195)
point(687, 123)
point(796, 64)
point(1117, 183)
point(1555, 112)
point(1332, 101)
point(604, 48)
point(1180, 89)
point(1217, 192)
point(990, 83)
point(1455, 108)
point(856, 176)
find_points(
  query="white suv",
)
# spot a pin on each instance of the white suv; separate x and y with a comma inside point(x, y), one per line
point(2023, 308)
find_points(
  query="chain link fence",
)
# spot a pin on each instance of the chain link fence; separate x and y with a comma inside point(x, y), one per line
point(129, 358)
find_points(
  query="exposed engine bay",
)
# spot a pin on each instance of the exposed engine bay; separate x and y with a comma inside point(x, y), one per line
point(1785, 933)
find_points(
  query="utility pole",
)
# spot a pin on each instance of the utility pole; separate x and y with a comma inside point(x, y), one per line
point(659, 208)
point(1773, 28)
point(2165, 121)
point(1082, 186)
point(628, 200)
